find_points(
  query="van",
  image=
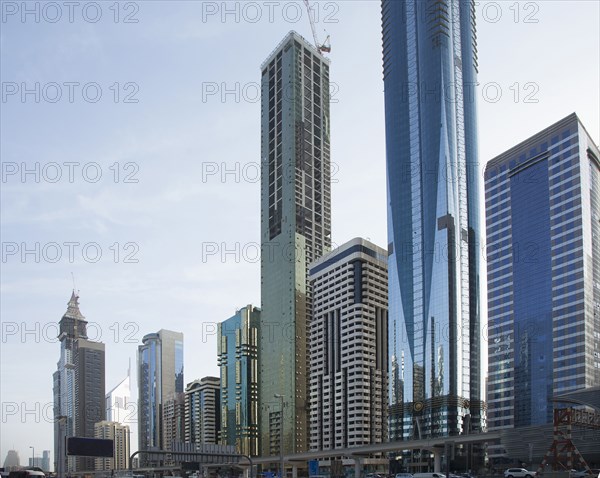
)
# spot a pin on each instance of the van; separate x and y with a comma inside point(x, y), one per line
point(26, 474)
point(429, 475)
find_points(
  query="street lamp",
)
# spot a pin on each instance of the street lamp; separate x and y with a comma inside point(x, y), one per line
point(32, 456)
point(280, 397)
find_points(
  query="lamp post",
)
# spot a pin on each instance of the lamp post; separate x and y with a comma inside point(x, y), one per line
point(32, 456)
point(280, 397)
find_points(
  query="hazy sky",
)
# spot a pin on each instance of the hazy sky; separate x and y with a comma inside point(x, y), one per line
point(160, 99)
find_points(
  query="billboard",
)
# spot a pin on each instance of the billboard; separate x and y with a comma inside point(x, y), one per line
point(89, 447)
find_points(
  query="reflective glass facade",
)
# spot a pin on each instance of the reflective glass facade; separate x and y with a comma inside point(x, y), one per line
point(160, 376)
point(543, 256)
point(430, 69)
point(203, 410)
point(238, 360)
point(295, 230)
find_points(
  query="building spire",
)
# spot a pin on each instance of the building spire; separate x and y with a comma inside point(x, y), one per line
point(73, 307)
point(74, 287)
point(73, 323)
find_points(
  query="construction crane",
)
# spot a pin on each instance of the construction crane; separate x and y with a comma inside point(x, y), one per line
point(325, 47)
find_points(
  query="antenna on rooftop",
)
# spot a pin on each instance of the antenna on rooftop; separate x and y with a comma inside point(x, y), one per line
point(73, 277)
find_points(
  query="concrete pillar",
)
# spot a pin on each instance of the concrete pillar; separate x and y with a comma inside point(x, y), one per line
point(437, 460)
point(294, 471)
point(357, 468)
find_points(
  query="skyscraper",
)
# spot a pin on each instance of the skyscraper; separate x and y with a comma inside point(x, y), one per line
point(160, 375)
point(46, 461)
point(543, 244)
point(90, 401)
point(348, 347)
point(78, 387)
point(12, 460)
point(119, 407)
point(203, 411)
point(238, 360)
point(430, 69)
point(295, 228)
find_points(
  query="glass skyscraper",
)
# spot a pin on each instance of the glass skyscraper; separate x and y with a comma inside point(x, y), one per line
point(295, 230)
point(203, 411)
point(238, 360)
point(543, 255)
point(430, 69)
point(160, 377)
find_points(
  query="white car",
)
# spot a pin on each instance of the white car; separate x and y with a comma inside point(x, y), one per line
point(519, 473)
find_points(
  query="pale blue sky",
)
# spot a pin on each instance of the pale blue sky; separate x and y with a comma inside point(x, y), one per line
point(171, 134)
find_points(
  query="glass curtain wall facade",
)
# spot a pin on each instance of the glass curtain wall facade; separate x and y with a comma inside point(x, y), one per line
point(543, 246)
point(203, 410)
point(295, 230)
point(238, 350)
point(160, 376)
point(430, 70)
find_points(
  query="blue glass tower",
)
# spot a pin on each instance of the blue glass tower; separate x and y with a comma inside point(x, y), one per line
point(430, 69)
point(543, 262)
point(238, 361)
point(160, 377)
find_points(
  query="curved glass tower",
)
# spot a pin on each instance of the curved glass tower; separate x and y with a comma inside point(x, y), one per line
point(430, 68)
point(160, 379)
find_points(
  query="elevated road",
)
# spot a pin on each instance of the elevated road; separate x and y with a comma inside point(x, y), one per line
point(436, 445)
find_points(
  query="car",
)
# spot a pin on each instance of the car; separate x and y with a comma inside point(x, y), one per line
point(26, 474)
point(404, 475)
point(591, 473)
point(577, 474)
point(519, 473)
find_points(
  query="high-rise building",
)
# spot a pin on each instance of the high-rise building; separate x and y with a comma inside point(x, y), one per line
point(46, 461)
point(295, 228)
point(78, 387)
point(36, 462)
point(119, 406)
point(12, 460)
point(203, 410)
point(121, 447)
point(90, 401)
point(348, 347)
point(430, 70)
point(543, 246)
point(173, 423)
point(160, 375)
point(238, 352)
